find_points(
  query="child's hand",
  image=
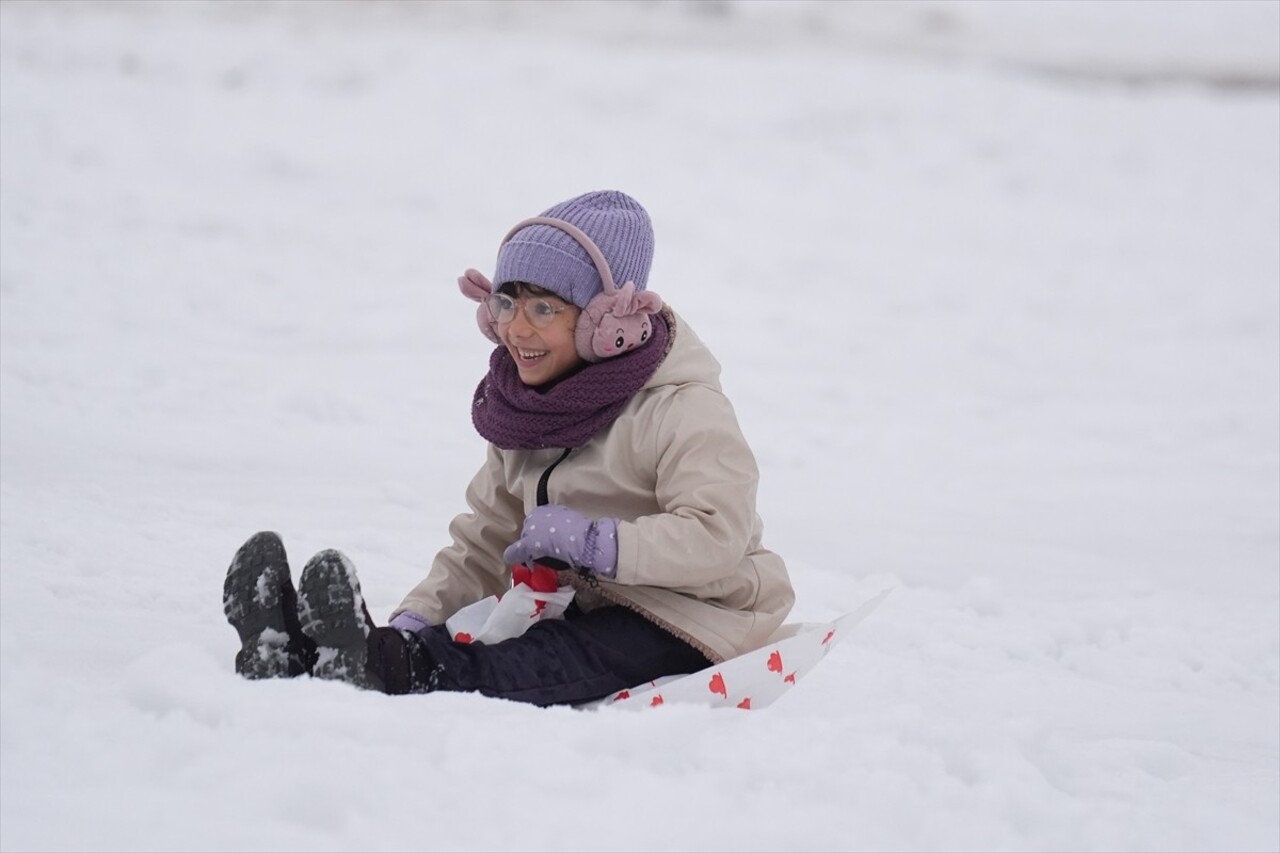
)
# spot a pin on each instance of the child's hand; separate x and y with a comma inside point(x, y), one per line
point(559, 533)
point(409, 621)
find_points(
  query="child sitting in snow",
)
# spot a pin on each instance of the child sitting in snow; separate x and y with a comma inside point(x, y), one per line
point(614, 457)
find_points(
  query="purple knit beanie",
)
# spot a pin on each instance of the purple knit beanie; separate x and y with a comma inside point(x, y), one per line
point(553, 260)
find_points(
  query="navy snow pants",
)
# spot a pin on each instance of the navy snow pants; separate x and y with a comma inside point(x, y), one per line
point(580, 658)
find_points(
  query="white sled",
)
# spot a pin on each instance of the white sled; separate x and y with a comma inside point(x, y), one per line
point(753, 680)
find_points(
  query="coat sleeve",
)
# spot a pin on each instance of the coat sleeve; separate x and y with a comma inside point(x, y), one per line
point(472, 567)
point(706, 481)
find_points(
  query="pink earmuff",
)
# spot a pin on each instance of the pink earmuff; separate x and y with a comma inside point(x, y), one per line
point(477, 288)
point(614, 322)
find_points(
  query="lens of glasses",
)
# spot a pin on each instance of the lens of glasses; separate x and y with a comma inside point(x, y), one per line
point(502, 308)
point(540, 312)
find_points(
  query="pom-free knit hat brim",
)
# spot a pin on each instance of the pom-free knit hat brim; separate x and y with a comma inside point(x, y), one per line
point(552, 259)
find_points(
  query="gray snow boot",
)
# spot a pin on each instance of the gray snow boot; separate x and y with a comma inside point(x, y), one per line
point(333, 615)
point(260, 603)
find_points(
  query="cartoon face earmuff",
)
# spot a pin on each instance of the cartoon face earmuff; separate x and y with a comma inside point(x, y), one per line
point(614, 321)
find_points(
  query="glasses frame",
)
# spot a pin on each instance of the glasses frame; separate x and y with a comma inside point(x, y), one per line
point(540, 318)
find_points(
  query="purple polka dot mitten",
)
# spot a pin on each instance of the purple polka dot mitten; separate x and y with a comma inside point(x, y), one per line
point(410, 621)
point(559, 533)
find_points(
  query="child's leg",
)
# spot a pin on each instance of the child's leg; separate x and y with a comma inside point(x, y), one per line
point(581, 658)
point(259, 601)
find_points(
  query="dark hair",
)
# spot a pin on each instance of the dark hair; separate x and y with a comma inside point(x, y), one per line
point(519, 288)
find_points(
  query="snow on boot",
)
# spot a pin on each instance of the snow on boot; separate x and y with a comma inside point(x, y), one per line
point(331, 609)
point(260, 603)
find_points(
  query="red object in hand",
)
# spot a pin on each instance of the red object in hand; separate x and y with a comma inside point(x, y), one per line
point(539, 578)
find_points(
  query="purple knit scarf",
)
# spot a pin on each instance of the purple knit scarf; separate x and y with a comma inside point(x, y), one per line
point(515, 416)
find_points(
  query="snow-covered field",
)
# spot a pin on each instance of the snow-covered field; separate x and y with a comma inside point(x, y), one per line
point(996, 288)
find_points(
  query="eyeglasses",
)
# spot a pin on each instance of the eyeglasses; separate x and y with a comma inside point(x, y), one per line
point(539, 312)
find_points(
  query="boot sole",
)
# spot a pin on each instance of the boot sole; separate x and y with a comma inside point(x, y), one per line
point(331, 610)
point(251, 601)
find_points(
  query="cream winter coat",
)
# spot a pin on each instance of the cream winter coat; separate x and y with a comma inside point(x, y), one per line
point(676, 472)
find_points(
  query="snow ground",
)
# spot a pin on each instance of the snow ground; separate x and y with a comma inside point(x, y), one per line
point(996, 288)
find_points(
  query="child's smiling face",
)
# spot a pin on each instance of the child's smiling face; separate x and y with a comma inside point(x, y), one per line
point(541, 354)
